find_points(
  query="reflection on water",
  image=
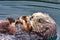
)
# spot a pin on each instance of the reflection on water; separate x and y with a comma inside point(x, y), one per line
point(53, 38)
point(19, 8)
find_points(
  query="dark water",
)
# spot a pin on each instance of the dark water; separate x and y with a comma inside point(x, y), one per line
point(19, 8)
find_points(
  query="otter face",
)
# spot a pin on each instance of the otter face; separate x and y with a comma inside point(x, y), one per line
point(39, 22)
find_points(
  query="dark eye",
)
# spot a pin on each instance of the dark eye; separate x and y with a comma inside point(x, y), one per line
point(41, 20)
point(31, 17)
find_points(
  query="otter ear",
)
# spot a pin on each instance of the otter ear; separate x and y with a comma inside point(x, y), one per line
point(11, 19)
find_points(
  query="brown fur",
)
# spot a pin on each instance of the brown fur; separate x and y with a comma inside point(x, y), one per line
point(3, 26)
point(7, 26)
point(11, 19)
point(12, 29)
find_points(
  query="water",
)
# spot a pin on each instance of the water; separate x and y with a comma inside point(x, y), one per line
point(18, 8)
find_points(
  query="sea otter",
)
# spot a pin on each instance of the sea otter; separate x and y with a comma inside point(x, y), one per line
point(40, 26)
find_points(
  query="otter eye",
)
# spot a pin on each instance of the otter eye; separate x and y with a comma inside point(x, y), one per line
point(31, 17)
point(41, 20)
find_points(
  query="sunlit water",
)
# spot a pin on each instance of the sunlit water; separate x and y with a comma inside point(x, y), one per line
point(16, 9)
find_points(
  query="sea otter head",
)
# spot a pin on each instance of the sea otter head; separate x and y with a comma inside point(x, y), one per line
point(39, 21)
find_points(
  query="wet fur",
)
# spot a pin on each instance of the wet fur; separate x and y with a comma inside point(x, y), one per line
point(7, 26)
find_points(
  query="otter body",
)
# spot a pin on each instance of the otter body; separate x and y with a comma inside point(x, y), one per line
point(39, 26)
